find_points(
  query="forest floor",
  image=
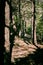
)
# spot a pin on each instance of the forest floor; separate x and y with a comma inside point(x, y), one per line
point(21, 49)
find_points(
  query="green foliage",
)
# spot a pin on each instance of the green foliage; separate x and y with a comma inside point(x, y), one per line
point(29, 30)
point(26, 12)
point(41, 5)
point(40, 29)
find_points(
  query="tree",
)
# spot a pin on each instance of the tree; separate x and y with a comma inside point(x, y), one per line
point(33, 23)
point(2, 26)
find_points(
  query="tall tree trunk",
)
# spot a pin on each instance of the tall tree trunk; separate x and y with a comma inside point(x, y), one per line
point(20, 22)
point(2, 27)
point(11, 32)
point(33, 23)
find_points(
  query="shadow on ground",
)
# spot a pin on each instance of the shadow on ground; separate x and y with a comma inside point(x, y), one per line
point(32, 59)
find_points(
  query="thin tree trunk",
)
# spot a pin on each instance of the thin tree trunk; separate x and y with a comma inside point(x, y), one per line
point(33, 23)
point(11, 36)
point(20, 22)
point(12, 33)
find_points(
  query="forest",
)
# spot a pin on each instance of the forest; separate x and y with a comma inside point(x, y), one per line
point(21, 32)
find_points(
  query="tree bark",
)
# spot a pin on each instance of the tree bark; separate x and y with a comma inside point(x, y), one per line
point(2, 27)
point(20, 22)
point(33, 23)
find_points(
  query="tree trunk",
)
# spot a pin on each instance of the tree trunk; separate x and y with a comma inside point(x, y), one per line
point(20, 22)
point(11, 33)
point(33, 23)
point(2, 27)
